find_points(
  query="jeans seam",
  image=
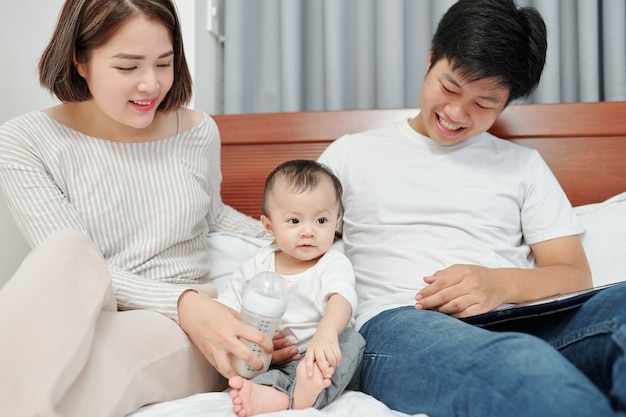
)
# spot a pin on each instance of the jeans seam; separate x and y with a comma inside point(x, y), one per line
point(603, 328)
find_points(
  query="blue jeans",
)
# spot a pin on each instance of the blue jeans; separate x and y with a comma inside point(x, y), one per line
point(283, 377)
point(572, 365)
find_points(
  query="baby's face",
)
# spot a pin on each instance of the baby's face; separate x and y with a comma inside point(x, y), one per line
point(303, 223)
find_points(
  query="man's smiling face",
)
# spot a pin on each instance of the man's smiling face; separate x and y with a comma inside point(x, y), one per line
point(454, 108)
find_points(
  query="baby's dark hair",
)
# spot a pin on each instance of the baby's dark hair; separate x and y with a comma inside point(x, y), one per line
point(302, 175)
point(493, 39)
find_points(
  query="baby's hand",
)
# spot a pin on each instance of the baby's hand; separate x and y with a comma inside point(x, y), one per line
point(323, 352)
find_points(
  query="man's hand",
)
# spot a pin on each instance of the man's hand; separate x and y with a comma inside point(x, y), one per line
point(467, 290)
point(461, 291)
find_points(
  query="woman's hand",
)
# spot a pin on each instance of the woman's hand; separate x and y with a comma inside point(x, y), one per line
point(284, 350)
point(216, 329)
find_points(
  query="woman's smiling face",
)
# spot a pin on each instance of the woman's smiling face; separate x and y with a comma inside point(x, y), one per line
point(453, 108)
point(130, 75)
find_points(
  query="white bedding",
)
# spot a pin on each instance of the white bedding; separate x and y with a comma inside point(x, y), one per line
point(218, 404)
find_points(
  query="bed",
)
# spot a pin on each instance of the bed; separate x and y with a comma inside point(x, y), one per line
point(583, 143)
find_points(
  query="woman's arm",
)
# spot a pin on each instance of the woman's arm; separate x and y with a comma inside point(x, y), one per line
point(230, 220)
point(43, 183)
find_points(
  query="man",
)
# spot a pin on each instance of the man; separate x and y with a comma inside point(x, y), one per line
point(441, 217)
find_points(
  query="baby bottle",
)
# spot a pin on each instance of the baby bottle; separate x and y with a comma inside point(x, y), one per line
point(263, 304)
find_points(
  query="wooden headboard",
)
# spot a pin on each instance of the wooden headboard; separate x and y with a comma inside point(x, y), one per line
point(583, 143)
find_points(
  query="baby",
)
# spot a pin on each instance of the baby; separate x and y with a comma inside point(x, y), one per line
point(302, 209)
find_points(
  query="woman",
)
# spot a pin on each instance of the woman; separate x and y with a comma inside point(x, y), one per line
point(117, 188)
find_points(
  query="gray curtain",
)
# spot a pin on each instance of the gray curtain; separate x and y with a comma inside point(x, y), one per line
point(295, 55)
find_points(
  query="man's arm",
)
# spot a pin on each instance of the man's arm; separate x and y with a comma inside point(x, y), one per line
point(467, 290)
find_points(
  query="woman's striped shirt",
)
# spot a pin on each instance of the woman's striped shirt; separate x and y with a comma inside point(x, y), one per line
point(148, 206)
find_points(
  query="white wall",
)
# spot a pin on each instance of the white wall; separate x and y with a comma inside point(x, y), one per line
point(204, 51)
point(25, 28)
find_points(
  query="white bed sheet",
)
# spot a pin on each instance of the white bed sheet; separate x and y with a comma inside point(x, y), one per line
point(218, 404)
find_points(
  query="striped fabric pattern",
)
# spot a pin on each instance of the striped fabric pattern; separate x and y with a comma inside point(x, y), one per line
point(148, 206)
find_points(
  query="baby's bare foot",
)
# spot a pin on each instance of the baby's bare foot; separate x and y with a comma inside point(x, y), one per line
point(250, 399)
point(307, 389)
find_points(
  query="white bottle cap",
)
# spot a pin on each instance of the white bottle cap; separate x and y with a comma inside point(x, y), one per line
point(264, 305)
point(266, 295)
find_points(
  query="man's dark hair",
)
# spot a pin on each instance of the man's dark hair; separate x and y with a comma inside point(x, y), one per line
point(493, 39)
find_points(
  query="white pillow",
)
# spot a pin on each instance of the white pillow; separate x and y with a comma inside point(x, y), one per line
point(226, 252)
point(605, 238)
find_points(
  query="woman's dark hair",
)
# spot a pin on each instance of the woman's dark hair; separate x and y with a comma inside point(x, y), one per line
point(301, 175)
point(84, 25)
point(493, 39)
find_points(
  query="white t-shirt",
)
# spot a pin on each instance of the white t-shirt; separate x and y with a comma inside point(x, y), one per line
point(413, 207)
point(307, 292)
